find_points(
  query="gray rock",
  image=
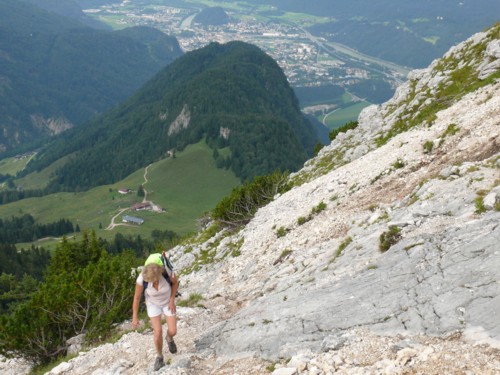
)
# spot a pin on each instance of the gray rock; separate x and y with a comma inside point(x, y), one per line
point(332, 342)
point(75, 344)
point(491, 200)
point(443, 279)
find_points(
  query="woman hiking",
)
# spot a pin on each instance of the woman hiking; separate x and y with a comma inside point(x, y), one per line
point(160, 300)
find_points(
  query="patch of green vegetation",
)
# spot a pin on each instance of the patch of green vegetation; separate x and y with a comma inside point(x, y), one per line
point(340, 249)
point(412, 246)
point(428, 146)
point(314, 211)
point(10, 166)
point(398, 164)
point(321, 206)
point(244, 201)
point(281, 232)
point(322, 166)
point(284, 254)
point(452, 129)
point(342, 129)
point(209, 232)
point(301, 220)
point(271, 367)
point(192, 301)
point(235, 248)
point(344, 115)
point(389, 238)
point(479, 203)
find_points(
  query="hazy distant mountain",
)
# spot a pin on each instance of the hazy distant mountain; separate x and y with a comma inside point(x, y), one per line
point(410, 33)
point(70, 9)
point(56, 73)
point(234, 95)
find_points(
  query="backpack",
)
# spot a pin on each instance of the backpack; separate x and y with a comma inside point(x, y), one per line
point(168, 269)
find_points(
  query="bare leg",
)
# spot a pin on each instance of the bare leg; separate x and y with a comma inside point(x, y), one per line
point(157, 334)
point(171, 332)
point(172, 326)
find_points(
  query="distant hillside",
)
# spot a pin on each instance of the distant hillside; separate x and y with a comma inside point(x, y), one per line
point(234, 95)
point(403, 31)
point(212, 16)
point(56, 73)
point(69, 9)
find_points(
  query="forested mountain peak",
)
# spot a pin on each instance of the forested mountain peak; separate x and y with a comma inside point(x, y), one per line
point(233, 95)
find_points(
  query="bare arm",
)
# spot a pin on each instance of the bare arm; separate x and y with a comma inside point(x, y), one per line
point(175, 286)
point(135, 305)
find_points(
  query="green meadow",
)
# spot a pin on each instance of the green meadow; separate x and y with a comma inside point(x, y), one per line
point(342, 116)
point(186, 187)
point(11, 166)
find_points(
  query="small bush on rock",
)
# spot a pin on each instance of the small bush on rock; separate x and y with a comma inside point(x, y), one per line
point(389, 238)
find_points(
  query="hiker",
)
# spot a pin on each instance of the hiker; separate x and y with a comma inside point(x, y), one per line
point(159, 289)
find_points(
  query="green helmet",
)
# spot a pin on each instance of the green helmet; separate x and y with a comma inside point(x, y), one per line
point(154, 258)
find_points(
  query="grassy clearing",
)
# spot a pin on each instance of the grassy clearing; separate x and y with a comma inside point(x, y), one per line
point(11, 166)
point(344, 115)
point(186, 187)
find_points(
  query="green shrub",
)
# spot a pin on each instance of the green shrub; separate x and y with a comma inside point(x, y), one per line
point(480, 207)
point(84, 290)
point(398, 164)
point(428, 146)
point(341, 248)
point(281, 232)
point(389, 238)
point(240, 206)
point(301, 220)
point(452, 129)
point(350, 125)
point(318, 208)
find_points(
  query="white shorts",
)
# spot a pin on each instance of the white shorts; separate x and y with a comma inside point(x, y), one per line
point(155, 310)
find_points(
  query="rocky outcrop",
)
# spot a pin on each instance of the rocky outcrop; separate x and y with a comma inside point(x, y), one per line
point(181, 121)
point(51, 126)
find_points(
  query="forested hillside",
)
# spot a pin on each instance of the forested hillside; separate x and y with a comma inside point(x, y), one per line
point(56, 73)
point(234, 95)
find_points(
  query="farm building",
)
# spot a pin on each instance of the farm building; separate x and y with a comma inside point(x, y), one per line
point(132, 220)
point(124, 191)
point(142, 206)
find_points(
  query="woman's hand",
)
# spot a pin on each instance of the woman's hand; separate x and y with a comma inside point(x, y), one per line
point(171, 306)
point(135, 323)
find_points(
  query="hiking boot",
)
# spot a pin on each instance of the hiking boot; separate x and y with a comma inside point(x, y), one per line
point(171, 345)
point(159, 363)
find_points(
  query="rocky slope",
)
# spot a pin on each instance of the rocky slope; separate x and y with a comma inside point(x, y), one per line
point(309, 287)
